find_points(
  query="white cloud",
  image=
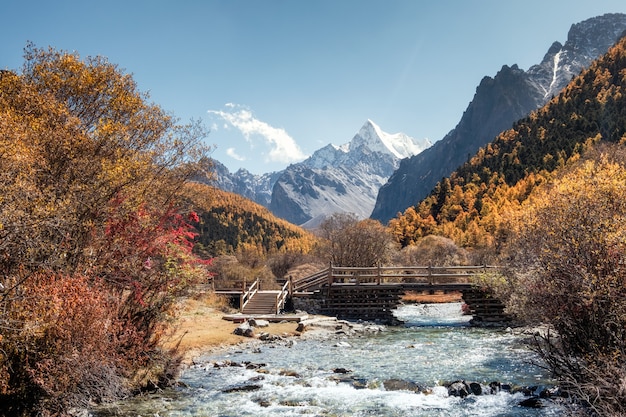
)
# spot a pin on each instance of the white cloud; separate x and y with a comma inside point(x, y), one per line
point(282, 147)
point(233, 154)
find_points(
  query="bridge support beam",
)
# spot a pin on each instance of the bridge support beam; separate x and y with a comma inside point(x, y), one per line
point(486, 310)
point(374, 303)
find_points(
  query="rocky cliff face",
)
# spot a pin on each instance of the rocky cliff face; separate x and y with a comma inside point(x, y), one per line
point(499, 101)
point(257, 188)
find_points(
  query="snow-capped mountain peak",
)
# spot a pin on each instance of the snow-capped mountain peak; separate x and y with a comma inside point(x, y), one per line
point(399, 145)
point(370, 139)
point(343, 179)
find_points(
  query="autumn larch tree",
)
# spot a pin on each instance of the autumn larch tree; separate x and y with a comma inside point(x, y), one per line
point(569, 258)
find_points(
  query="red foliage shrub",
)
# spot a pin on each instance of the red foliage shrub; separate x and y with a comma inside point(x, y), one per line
point(63, 347)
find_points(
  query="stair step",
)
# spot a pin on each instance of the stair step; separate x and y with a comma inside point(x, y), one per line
point(262, 303)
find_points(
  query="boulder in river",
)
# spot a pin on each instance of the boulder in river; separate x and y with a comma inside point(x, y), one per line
point(401, 385)
point(242, 388)
point(476, 388)
point(532, 402)
point(459, 389)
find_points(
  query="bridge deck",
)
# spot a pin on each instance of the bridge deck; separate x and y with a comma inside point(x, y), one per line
point(373, 293)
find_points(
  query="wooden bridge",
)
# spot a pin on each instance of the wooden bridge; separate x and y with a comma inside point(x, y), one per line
point(373, 293)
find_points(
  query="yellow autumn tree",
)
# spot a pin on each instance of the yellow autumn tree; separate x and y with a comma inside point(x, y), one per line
point(569, 257)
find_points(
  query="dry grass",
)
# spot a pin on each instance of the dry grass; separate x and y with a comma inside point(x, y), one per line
point(437, 297)
point(202, 328)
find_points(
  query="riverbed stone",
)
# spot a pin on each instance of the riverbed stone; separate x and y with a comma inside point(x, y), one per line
point(258, 323)
point(401, 385)
point(458, 389)
point(244, 329)
point(242, 388)
point(532, 402)
point(287, 372)
point(476, 388)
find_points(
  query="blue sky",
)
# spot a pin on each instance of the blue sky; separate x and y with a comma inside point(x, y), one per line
point(277, 79)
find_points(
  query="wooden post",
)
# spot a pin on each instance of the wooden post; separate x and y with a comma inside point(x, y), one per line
point(378, 275)
point(430, 274)
point(330, 274)
point(243, 293)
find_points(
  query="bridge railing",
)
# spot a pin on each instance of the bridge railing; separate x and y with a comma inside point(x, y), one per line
point(391, 274)
point(248, 294)
point(281, 297)
point(310, 282)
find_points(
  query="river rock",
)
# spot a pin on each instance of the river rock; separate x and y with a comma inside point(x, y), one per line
point(244, 329)
point(258, 323)
point(532, 402)
point(552, 393)
point(494, 387)
point(263, 402)
point(266, 337)
point(286, 372)
point(251, 365)
point(458, 389)
point(401, 385)
point(242, 388)
point(476, 388)
point(341, 371)
point(221, 364)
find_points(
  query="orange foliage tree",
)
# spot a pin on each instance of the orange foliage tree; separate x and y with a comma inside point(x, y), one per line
point(348, 241)
point(94, 246)
point(569, 254)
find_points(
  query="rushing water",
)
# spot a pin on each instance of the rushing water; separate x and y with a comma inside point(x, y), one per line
point(297, 379)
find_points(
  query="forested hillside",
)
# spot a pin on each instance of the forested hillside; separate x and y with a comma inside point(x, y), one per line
point(469, 205)
point(229, 223)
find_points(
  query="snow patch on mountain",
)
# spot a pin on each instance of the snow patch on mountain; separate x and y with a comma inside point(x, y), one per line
point(370, 138)
point(585, 42)
point(398, 144)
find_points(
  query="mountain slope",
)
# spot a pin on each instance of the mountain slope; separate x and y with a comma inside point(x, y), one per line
point(511, 95)
point(341, 178)
point(230, 223)
point(468, 206)
point(257, 188)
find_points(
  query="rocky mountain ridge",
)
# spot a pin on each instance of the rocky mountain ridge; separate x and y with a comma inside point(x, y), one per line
point(334, 179)
point(499, 101)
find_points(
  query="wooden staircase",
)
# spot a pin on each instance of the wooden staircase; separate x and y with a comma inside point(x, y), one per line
point(262, 303)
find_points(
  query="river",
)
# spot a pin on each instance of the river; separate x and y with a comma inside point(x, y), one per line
point(301, 378)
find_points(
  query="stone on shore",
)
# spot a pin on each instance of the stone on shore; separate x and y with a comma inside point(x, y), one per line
point(244, 329)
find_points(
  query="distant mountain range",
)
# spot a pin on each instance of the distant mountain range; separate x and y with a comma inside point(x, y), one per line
point(379, 175)
point(500, 101)
point(334, 179)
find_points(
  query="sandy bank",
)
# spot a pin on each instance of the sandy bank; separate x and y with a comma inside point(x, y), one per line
point(203, 329)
